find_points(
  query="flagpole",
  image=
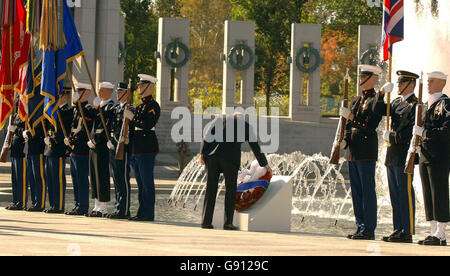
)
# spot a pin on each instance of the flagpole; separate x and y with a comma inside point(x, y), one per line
point(388, 99)
point(95, 93)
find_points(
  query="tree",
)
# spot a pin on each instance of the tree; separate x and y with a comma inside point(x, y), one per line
point(168, 8)
point(273, 19)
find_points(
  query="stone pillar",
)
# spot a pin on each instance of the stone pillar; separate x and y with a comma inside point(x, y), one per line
point(170, 30)
point(369, 38)
point(301, 109)
point(238, 32)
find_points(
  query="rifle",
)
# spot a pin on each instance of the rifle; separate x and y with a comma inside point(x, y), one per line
point(340, 134)
point(120, 151)
point(7, 143)
point(409, 166)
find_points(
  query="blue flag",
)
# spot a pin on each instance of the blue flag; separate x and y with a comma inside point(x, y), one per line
point(54, 65)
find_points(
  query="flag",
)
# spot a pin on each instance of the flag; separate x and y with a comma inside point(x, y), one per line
point(6, 84)
point(55, 63)
point(35, 101)
point(21, 50)
point(393, 25)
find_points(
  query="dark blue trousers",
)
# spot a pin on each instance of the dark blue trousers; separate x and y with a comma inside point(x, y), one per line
point(36, 179)
point(402, 199)
point(56, 182)
point(121, 176)
point(143, 166)
point(79, 170)
point(19, 181)
point(362, 181)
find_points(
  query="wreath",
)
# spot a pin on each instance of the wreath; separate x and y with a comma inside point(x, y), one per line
point(249, 193)
point(236, 56)
point(171, 54)
point(303, 58)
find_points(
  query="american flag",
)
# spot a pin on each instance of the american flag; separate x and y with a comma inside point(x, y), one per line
point(393, 19)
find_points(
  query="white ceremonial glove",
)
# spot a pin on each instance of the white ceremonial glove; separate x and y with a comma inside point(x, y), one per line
point(344, 112)
point(47, 141)
point(388, 87)
point(110, 145)
point(67, 142)
point(97, 102)
point(12, 128)
point(91, 144)
point(417, 130)
point(418, 150)
point(343, 144)
point(386, 135)
point(25, 135)
point(75, 97)
point(128, 114)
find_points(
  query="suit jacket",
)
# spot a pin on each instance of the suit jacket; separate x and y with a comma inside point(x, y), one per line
point(403, 115)
point(435, 145)
point(230, 149)
point(361, 134)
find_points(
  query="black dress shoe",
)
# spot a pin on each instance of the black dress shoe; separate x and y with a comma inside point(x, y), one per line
point(76, 212)
point(14, 208)
point(433, 241)
point(141, 219)
point(362, 236)
point(117, 216)
point(207, 226)
point(422, 241)
point(401, 238)
point(230, 227)
point(35, 209)
point(54, 211)
point(94, 214)
point(350, 237)
point(386, 239)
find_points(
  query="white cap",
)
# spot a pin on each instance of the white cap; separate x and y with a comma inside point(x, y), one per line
point(437, 75)
point(106, 85)
point(147, 78)
point(84, 86)
point(371, 69)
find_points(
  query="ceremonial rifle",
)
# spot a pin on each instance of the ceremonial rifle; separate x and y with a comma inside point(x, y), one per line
point(340, 134)
point(120, 151)
point(409, 166)
point(7, 143)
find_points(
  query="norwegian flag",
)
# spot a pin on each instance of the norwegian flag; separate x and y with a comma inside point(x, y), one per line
point(393, 25)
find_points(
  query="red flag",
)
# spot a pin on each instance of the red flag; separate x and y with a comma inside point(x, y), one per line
point(6, 85)
point(21, 49)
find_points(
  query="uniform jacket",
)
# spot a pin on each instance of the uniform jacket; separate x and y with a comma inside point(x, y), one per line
point(18, 142)
point(98, 131)
point(78, 136)
point(35, 145)
point(435, 146)
point(361, 134)
point(230, 150)
point(142, 135)
point(58, 148)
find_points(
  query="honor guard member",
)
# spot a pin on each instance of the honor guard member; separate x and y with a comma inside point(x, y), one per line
point(99, 151)
point(434, 164)
point(55, 152)
point(18, 165)
point(144, 147)
point(403, 114)
point(34, 151)
point(363, 118)
point(79, 150)
point(225, 157)
point(120, 168)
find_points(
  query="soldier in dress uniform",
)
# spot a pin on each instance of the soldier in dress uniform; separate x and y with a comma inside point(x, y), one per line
point(55, 153)
point(144, 146)
point(403, 114)
point(34, 151)
point(99, 151)
point(79, 150)
point(363, 118)
point(18, 165)
point(434, 164)
point(120, 168)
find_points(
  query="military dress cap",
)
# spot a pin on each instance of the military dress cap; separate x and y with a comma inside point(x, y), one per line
point(66, 90)
point(106, 85)
point(146, 79)
point(83, 86)
point(122, 86)
point(405, 76)
point(437, 75)
point(370, 70)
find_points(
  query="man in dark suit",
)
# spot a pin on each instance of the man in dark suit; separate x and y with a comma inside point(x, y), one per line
point(224, 156)
point(403, 114)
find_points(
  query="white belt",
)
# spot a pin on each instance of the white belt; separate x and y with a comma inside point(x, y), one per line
point(140, 129)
